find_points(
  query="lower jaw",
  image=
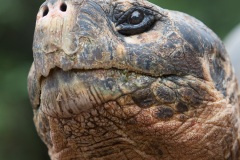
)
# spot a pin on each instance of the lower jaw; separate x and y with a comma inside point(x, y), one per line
point(64, 94)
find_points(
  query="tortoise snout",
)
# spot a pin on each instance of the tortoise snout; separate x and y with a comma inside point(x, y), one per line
point(54, 28)
point(50, 11)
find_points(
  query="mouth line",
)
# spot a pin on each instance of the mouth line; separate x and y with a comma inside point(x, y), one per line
point(76, 70)
point(122, 69)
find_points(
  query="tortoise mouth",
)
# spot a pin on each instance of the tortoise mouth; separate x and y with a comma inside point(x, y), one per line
point(67, 93)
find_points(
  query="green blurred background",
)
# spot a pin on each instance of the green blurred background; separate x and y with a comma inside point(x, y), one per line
point(18, 138)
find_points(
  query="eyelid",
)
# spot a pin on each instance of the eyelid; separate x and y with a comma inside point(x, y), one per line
point(123, 18)
point(134, 27)
point(127, 29)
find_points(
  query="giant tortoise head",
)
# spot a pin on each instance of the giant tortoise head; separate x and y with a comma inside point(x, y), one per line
point(126, 79)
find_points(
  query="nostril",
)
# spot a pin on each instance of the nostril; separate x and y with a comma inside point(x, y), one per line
point(63, 7)
point(45, 11)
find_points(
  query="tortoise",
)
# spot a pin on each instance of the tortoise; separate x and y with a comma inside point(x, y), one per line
point(126, 79)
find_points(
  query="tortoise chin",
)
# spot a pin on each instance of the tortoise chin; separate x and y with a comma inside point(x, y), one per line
point(130, 80)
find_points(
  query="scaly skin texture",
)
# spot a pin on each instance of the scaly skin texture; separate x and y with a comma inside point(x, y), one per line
point(168, 93)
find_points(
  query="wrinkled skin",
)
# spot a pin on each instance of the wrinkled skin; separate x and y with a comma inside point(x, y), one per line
point(165, 94)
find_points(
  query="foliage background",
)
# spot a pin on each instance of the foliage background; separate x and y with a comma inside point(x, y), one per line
point(18, 138)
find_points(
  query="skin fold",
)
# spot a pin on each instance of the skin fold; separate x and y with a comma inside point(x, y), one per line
point(164, 91)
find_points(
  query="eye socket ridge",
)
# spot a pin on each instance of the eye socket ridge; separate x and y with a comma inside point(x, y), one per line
point(124, 26)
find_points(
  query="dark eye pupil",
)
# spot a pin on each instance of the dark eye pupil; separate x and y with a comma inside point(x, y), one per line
point(136, 17)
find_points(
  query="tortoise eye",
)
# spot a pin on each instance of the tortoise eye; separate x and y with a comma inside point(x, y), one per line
point(135, 21)
point(136, 17)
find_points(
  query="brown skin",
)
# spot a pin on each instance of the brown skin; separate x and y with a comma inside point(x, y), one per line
point(167, 92)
